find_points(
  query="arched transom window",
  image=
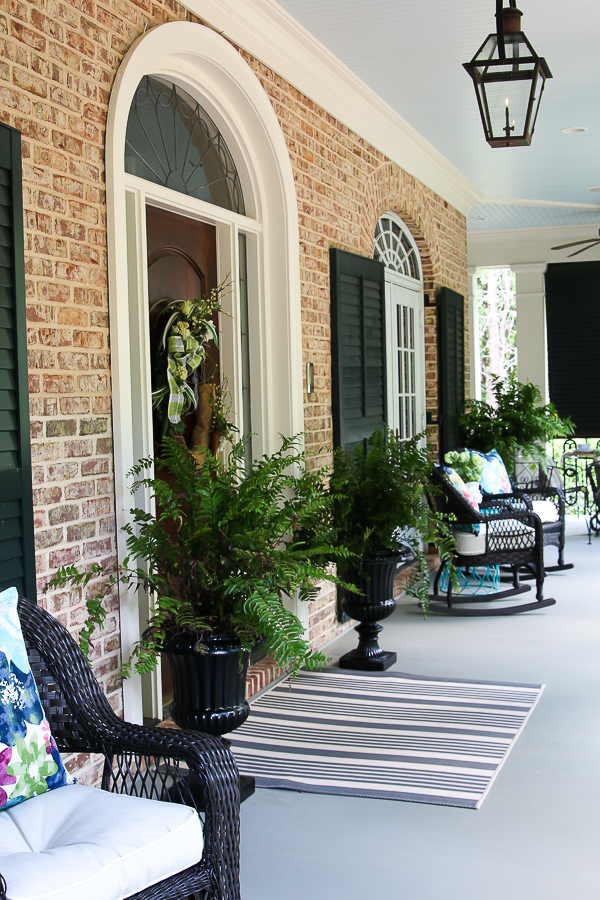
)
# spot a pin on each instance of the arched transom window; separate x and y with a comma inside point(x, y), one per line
point(171, 140)
point(395, 248)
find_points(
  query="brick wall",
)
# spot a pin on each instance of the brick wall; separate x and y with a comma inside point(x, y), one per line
point(343, 186)
point(58, 61)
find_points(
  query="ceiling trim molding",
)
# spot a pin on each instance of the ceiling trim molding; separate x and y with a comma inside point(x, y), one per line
point(554, 204)
point(529, 268)
point(550, 231)
point(269, 33)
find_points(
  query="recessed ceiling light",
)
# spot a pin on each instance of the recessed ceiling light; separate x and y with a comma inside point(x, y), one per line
point(483, 218)
point(575, 129)
point(594, 189)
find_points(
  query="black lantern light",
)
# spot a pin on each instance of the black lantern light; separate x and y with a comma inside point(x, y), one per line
point(509, 79)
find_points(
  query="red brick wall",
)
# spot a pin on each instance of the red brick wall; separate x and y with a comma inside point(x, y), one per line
point(344, 185)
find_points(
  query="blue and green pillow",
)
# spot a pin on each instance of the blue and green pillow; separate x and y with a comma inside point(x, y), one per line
point(494, 477)
point(30, 763)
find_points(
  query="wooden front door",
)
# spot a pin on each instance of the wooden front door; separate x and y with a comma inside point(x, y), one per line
point(182, 265)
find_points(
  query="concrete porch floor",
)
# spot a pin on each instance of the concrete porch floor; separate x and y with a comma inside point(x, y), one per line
point(537, 834)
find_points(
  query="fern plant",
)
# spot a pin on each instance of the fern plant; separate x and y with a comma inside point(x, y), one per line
point(516, 421)
point(379, 500)
point(224, 547)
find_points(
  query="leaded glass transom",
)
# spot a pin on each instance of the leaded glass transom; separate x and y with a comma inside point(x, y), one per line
point(394, 247)
point(172, 141)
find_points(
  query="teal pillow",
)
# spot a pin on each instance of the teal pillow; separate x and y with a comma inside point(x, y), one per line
point(30, 763)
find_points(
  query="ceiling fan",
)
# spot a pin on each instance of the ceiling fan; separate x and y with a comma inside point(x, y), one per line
point(591, 242)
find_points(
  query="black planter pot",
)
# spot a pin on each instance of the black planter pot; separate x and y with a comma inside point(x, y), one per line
point(375, 580)
point(209, 687)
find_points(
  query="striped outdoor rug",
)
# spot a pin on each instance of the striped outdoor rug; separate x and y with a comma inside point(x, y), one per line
point(387, 735)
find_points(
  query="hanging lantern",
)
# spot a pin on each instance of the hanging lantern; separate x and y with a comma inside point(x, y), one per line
point(509, 79)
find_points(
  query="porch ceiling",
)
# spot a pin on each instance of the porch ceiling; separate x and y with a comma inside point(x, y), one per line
point(411, 54)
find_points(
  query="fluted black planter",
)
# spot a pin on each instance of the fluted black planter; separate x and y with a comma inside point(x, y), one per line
point(209, 688)
point(375, 580)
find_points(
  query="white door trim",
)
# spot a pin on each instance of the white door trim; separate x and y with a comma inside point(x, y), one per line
point(211, 70)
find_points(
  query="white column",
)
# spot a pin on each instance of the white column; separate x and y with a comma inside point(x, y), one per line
point(473, 320)
point(532, 353)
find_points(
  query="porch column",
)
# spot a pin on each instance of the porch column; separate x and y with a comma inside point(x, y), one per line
point(532, 353)
point(473, 319)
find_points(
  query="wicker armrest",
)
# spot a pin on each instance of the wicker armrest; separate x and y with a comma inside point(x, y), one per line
point(494, 514)
point(557, 495)
point(509, 502)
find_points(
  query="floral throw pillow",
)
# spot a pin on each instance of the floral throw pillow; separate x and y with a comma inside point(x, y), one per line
point(459, 485)
point(494, 477)
point(30, 763)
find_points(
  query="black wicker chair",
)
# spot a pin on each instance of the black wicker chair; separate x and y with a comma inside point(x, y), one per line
point(536, 484)
point(511, 536)
point(158, 763)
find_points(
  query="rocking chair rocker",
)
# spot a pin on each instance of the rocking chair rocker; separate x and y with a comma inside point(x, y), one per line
point(508, 534)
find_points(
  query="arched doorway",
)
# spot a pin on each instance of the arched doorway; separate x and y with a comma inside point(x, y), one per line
point(405, 333)
point(256, 247)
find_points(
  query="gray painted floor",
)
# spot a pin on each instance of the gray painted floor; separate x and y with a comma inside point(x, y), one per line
point(537, 834)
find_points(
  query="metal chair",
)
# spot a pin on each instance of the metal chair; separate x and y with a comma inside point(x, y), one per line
point(510, 534)
point(593, 476)
point(159, 763)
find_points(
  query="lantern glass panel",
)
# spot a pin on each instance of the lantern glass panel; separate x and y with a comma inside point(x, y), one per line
point(507, 103)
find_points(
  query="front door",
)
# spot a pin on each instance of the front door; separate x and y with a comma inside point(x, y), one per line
point(182, 265)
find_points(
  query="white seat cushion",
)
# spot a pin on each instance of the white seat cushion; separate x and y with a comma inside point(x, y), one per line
point(510, 534)
point(80, 843)
point(505, 534)
point(468, 544)
point(546, 510)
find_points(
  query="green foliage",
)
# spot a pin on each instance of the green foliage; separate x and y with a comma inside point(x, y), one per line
point(497, 305)
point(515, 422)
point(468, 466)
point(223, 548)
point(379, 500)
point(221, 420)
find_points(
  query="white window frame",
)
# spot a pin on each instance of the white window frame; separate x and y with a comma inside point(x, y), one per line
point(402, 290)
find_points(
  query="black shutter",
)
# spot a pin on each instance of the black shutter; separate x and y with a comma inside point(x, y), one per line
point(358, 347)
point(17, 553)
point(573, 329)
point(452, 365)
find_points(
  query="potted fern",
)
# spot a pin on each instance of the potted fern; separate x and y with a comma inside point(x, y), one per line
point(514, 422)
point(223, 549)
point(381, 517)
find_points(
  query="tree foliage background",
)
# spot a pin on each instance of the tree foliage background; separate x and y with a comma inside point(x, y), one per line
point(496, 295)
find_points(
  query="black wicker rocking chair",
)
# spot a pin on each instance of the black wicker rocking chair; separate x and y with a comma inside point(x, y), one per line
point(510, 535)
point(545, 485)
point(158, 763)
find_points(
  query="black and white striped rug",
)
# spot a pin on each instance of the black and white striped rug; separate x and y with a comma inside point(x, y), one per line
point(387, 735)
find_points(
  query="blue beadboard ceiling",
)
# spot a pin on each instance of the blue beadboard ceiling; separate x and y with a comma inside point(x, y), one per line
point(411, 53)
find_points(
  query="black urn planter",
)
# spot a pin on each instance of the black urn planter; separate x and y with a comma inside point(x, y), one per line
point(375, 580)
point(209, 685)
